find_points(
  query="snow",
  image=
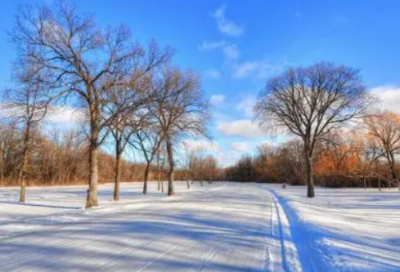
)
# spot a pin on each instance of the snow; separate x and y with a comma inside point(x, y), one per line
point(344, 229)
point(219, 227)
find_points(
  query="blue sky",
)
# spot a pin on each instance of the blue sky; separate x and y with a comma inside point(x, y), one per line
point(237, 45)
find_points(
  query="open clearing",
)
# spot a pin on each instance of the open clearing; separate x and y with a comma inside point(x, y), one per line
point(218, 227)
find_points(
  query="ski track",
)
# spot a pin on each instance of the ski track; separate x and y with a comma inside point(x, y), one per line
point(218, 227)
point(349, 229)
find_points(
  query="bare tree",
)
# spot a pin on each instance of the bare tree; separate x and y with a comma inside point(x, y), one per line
point(29, 101)
point(180, 110)
point(64, 44)
point(384, 129)
point(310, 102)
point(210, 167)
point(127, 107)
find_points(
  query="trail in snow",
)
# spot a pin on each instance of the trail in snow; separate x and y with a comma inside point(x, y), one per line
point(219, 227)
point(344, 229)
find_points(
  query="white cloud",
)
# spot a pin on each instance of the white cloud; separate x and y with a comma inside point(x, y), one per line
point(209, 46)
point(231, 52)
point(259, 69)
point(65, 116)
point(212, 73)
point(240, 147)
point(55, 115)
point(247, 105)
point(193, 145)
point(243, 128)
point(225, 25)
point(217, 99)
point(389, 97)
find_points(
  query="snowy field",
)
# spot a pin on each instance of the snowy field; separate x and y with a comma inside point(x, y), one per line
point(344, 229)
point(218, 227)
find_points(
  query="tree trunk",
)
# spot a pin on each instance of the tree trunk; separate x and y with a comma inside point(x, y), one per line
point(188, 184)
point(393, 169)
point(379, 183)
point(146, 178)
point(117, 171)
point(310, 176)
point(24, 165)
point(365, 182)
point(1, 164)
point(171, 166)
point(91, 200)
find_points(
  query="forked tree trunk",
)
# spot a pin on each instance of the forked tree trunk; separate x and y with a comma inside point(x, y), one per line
point(310, 176)
point(146, 178)
point(91, 200)
point(117, 177)
point(171, 166)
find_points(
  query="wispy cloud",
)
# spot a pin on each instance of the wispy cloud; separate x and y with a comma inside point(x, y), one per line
point(65, 116)
point(217, 99)
point(246, 105)
point(212, 73)
point(194, 145)
point(225, 25)
point(240, 147)
point(242, 128)
point(231, 52)
point(258, 69)
point(209, 46)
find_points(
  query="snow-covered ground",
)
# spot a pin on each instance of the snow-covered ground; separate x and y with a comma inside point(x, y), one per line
point(344, 229)
point(218, 227)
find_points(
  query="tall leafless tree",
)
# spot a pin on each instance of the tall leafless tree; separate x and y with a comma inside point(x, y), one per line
point(310, 102)
point(180, 110)
point(127, 105)
point(85, 62)
point(29, 101)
